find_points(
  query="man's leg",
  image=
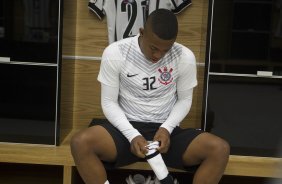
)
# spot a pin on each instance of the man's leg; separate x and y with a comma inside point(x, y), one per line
point(88, 148)
point(212, 153)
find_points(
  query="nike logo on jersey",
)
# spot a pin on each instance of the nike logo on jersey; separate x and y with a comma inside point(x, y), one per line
point(129, 75)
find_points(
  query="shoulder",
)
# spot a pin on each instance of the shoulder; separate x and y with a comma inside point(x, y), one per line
point(117, 47)
point(120, 50)
point(186, 55)
point(114, 55)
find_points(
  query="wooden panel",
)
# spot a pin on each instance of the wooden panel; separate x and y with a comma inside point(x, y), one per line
point(69, 27)
point(67, 178)
point(237, 166)
point(205, 5)
point(67, 97)
point(254, 166)
point(190, 27)
point(91, 37)
point(35, 154)
point(68, 68)
point(38, 154)
point(87, 93)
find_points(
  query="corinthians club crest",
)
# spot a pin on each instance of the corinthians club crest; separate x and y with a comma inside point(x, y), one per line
point(165, 77)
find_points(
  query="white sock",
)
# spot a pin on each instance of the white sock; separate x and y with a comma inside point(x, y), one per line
point(155, 160)
point(107, 182)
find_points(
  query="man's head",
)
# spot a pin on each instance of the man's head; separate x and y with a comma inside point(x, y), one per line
point(159, 34)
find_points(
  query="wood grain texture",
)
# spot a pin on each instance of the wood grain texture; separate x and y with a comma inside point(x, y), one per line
point(87, 93)
point(204, 28)
point(67, 97)
point(69, 27)
point(91, 37)
point(67, 178)
point(254, 166)
point(237, 166)
point(190, 27)
point(35, 154)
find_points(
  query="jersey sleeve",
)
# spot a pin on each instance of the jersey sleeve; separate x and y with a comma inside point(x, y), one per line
point(180, 5)
point(97, 7)
point(110, 66)
point(187, 71)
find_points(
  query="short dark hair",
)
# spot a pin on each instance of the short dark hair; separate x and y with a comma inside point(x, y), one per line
point(163, 23)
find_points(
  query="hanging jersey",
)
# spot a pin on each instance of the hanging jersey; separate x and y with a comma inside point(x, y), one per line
point(125, 17)
point(147, 91)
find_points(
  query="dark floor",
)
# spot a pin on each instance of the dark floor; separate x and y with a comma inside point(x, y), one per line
point(118, 177)
point(44, 174)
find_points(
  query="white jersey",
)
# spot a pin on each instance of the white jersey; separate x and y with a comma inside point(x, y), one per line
point(147, 91)
point(125, 17)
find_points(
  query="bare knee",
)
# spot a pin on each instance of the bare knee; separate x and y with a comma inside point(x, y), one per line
point(213, 145)
point(80, 142)
point(206, 146)
point(219, 147)
point(93, 141)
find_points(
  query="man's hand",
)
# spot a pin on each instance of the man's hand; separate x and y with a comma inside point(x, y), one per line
point(163, 136)
point(138, 146)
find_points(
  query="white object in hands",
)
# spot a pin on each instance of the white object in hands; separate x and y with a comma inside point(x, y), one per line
point(152, 147)
point(156, 162)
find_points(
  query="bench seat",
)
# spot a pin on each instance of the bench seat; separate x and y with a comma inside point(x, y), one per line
point(61, 155)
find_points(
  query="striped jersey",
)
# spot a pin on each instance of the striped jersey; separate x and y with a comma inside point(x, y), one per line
point(125, 17)
point(147, 91)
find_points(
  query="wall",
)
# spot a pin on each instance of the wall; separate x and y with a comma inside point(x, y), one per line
point(68, 67)
point(82, 58)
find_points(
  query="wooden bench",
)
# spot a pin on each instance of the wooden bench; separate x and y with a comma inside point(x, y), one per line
point(40, 154)
point(61, 156)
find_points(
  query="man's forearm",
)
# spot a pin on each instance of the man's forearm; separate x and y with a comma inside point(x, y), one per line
point(179, 111)
point(114, 113)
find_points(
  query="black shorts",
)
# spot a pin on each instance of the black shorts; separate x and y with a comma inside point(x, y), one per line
point(179, 141)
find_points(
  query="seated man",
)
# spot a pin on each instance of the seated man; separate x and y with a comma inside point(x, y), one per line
point(147, 84)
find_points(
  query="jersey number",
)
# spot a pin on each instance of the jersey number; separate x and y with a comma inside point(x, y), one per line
point(131, 9)
point(149, 82)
